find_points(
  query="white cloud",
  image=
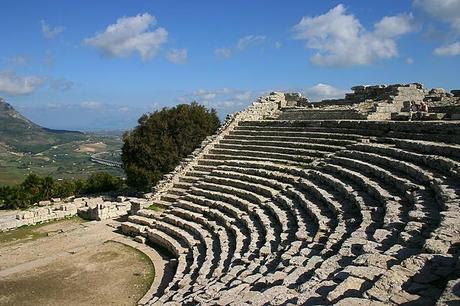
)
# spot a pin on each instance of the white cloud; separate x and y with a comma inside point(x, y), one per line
point(123, 109)
point(50, 32)
point(223, 52)
point(128, 35)
point(19, 60)
point(61, 84)
point(341, 40)
point(394, 26)
point(242, 44)
point(448, 50)
point(206, 95)
point(248, 41)
point(278, 45)
point(443, 10)
point(90, 105)
point(225, 100)
point(13, 84)
point(245, 96)
point(324, 91)
point(177, 56)
point(409, 60)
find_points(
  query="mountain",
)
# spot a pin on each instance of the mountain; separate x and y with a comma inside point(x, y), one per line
point(22, 135)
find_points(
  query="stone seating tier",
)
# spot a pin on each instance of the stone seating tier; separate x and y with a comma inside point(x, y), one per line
point(288, 212)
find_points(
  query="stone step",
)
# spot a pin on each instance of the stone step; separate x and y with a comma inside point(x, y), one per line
point(403, 185)
point(253, 185)
point(231, 143)
point(292, 139)
point(251, 175)
point(223, 238)
point(426, 131)
point(287, 133)
point(438, 163)
point(181, 186)
point(392, 203)
point(223, 154)
point(428, 147)
point(238, 197)
point(245, 240)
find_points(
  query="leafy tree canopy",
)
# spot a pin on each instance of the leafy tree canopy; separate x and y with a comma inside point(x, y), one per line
point(36, 188)
point(162, 139)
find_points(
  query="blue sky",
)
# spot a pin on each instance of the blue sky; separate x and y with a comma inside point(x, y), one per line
point(100, 64)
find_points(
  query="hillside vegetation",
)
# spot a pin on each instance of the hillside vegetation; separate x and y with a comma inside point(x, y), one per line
point(22, 135)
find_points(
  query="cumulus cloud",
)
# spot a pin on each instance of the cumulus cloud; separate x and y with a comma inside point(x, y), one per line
point(223, 52)
point(341, 40)
point(177, 56)
point(90, 105)
point(128, 35)
point(394, 26)
point(443, 10)
point(250, 40)
point(15, 85)
point(321, 91)
point(50, 32)
point(448, 50)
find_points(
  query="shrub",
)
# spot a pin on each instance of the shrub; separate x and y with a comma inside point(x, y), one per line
point(35, 188)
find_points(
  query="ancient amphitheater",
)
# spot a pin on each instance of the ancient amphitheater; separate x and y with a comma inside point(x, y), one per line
point(342, 202)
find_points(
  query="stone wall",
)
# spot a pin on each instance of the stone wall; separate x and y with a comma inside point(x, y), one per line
point(89, 208)
point(392, 93)
point(37, 215)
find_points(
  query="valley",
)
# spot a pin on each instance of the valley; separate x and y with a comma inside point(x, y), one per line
point(26, 147)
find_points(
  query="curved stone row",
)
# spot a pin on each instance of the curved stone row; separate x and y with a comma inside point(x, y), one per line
point(299, 213)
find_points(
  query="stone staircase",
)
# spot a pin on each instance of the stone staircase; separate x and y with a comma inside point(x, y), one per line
point(284, 212)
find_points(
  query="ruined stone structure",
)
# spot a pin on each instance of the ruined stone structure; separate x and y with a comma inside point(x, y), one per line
point(308, 212)
point(379, 102)
point(89, 208)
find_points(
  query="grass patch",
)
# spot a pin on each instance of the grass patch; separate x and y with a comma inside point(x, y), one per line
point(22, 233)
point(31, 232)
point(155, 207)
point(148, 277)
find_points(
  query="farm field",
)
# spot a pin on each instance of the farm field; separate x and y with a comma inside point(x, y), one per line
point(65, 161)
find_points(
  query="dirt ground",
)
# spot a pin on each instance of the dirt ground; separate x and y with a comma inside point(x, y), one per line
point(92, 147)
point(71, 262)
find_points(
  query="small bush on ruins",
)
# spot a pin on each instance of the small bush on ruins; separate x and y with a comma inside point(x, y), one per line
point(162, 139)
point(36, 188)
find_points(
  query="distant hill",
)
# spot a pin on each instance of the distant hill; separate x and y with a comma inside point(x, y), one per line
point(22, 135)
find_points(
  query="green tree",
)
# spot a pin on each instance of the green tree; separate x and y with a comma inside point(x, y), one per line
point(102, 182)
point(162, 139)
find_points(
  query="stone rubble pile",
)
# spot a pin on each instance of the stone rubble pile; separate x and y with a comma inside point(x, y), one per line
point(322, 212)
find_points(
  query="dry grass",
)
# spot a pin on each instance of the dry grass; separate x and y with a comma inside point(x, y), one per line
point(76, 265)
point(91, 147)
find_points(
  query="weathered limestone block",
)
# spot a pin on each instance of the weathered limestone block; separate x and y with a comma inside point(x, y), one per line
point(44, 203)
point(351, 285)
